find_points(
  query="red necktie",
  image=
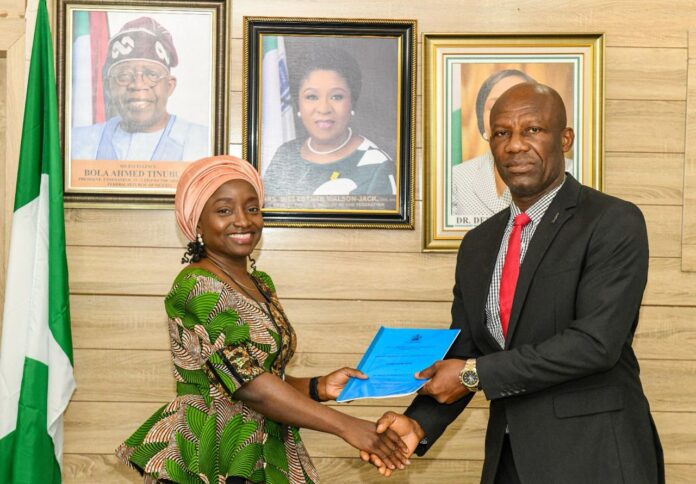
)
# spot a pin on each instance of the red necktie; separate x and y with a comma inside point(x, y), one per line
point(511, 270)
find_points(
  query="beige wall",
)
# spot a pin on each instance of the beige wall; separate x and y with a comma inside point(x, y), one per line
point(339, 285)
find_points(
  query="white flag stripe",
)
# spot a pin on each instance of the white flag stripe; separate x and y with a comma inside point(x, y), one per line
point(26, 300)
point(82, 82)
point(20, 275)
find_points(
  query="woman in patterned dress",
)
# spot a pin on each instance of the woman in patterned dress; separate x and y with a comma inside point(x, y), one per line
point(236, 415)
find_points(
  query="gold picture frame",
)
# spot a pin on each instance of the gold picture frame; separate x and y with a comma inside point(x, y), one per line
point(461, 72)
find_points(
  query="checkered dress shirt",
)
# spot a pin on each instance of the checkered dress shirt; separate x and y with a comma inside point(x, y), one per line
point(535, 212)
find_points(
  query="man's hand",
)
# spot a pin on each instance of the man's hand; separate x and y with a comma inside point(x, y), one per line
point(408, 429)
point(444, 385)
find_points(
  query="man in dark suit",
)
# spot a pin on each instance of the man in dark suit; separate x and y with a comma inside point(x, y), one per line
point(547, 295)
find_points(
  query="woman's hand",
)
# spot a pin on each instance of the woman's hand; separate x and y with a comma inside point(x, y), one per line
point(386, 446)
point(406, 428)
point(330, 385)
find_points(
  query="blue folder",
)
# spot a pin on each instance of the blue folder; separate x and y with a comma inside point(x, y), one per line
point(392, 359)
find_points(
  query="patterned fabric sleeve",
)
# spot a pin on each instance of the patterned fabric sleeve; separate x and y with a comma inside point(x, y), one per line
point(211, 340)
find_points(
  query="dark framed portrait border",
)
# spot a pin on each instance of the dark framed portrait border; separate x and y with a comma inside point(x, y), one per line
point(405, 32)
point(219, 90)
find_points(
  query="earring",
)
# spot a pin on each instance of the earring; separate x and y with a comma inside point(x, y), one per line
point(299, 114)
point(252, 263)
point(199, 239)
point(352, 113)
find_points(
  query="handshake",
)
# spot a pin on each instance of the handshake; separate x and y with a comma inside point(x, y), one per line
point(400, 436)
point(390, 442)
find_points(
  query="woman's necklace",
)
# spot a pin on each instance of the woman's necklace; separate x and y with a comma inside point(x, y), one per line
point(317, 152)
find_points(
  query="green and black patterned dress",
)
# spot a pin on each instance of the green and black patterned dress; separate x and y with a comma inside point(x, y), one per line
point(219, 340)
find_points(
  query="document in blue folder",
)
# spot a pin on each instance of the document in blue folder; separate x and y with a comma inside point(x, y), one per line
point(392, 359)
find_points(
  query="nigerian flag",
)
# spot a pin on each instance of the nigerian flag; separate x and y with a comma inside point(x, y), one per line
point(277, 118)
point(456, 116)
point(36, 371)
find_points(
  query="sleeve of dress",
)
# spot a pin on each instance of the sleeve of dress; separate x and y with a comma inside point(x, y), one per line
point(210, 343)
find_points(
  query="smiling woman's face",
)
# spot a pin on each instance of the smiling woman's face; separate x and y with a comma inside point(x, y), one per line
point(325, 104)
point(231, 220)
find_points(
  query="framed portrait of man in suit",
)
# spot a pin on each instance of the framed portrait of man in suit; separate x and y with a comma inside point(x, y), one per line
point(464, 76)
point(142, 92)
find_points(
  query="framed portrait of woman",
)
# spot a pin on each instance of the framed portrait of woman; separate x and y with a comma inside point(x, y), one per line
point(142, 93)
point(464, 76)
point(329, 120)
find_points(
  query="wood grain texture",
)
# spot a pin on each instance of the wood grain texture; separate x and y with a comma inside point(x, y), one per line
point(645, 73)
point(668, 285)
point(688, 258)
point(11, 25)
point(109, 322)
point(145, 376)
point(689, 221)
point(99, 427)
point(4, 213)
point(157, 228)
point(12, 94)
point(90, 468)
point(626, 24)
point(338, 286)
point(645, 126)
point(326, 275)
point(645, 178)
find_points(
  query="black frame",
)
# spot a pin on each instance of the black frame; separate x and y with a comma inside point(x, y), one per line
point(220, 76)
point(405, 32)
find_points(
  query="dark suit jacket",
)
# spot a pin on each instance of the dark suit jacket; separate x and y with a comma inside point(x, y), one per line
point(567, 384)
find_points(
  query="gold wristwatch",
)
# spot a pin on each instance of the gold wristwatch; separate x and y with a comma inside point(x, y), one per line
point(469, 376)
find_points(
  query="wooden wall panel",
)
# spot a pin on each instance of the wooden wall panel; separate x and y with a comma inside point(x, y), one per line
point(645, 178)
point(645, 73)
point(12, 107)
point(345, 283)
point(3, 131)
point(664, 120)
point(109, 322)
point(88, 468)
point(100, 373)
point(689, 221)
point(326, 275)
point(98, 427)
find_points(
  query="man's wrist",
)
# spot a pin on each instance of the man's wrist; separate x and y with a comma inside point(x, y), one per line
point(469, 377)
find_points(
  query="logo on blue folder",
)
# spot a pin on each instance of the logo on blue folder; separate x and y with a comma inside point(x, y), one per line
point(416, 337)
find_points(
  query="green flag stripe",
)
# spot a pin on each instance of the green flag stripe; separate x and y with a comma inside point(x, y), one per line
point(40, 105)
point(456, 148)
point(80, 23)
point(31, 455)
point(41, 123)
point(270, 43)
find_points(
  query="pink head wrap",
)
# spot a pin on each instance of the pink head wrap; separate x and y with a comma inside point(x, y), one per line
point(200, 180)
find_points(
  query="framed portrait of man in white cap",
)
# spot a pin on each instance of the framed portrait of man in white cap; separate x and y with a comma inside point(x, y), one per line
point(141, 95)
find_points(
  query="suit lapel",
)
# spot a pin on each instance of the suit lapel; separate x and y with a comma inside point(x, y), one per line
point(555, 217)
